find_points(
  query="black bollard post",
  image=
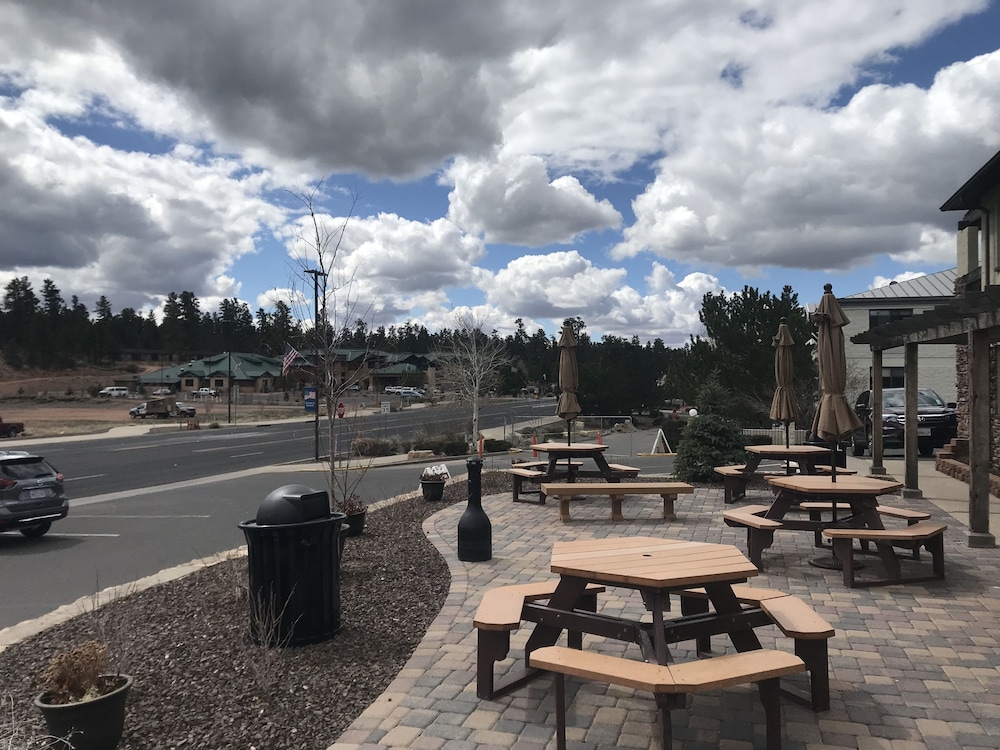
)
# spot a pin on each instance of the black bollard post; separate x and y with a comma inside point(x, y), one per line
point(475, 533)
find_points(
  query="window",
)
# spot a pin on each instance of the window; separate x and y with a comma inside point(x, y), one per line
point(892, 377)
point(881, 317)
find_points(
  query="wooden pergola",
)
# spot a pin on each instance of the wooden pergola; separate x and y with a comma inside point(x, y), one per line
point(972, 319)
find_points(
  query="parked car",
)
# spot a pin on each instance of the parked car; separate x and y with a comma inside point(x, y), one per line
point(204, 392)
point(937, 421)
point(114, 391)
point(162, 392)
point(411, 393)
point(185, 410)
point(31, 494)
point(393, 388)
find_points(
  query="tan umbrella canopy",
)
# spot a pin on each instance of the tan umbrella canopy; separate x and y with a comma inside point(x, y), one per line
point(835, 419)
point(783, 407)
point(568, 407)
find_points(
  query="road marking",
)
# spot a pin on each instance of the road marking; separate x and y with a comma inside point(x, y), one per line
point(67, 536)
point(244, 455)
point(183, 515)
point(89, 476)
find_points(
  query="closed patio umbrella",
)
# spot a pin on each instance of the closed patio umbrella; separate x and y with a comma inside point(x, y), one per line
point(835, 419)
point(568, 407)
point(783, 407)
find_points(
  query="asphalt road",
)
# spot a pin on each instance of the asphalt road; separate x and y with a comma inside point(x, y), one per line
point(171, 454)
point(146, 513)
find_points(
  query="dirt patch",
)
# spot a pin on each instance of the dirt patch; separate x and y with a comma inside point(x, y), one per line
point(92, 416)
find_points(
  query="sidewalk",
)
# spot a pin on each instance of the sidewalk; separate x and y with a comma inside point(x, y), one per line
point(912, 666)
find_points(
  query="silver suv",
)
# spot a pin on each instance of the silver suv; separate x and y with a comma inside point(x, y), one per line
point(31, 494)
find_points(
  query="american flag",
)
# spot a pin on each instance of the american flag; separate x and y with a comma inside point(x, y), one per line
point(290, 356)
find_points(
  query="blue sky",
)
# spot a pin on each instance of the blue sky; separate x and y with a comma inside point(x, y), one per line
point(613, 161)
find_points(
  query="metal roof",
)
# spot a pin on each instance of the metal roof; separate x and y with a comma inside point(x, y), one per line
point(940, 284)
point(970, 195)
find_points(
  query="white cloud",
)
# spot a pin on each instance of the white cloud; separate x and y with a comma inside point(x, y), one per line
point(511, 200)
point(146, 147)
point(880, 281)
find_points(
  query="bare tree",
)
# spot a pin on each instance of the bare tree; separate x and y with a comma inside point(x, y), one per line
point(337, 306)
point(472, 364)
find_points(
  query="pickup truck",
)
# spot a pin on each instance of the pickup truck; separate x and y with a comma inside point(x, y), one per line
point(204, 392)
point(10, 429)
point(161, 409)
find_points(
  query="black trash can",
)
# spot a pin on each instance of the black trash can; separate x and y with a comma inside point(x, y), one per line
point(293, 550)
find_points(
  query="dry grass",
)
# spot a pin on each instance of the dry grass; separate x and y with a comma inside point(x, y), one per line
point(88, 416)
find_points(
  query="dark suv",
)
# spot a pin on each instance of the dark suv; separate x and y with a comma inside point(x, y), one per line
point(31, 494)
point(937, 421)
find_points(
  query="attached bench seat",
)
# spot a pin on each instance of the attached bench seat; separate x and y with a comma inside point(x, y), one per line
point(928, 534)
point(624, 472)
point(670, 684)
point(795, 618)
point(498, 614)
point(565, 492)
point(816, 510)
point(760, 530)
point(520, 475)
point(734, 482)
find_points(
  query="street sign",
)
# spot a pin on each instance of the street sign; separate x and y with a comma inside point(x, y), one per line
point(340, 410)
point(309, 398)
point(386, 407)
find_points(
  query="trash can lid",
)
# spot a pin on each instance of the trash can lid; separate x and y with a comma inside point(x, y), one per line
point(293, 503)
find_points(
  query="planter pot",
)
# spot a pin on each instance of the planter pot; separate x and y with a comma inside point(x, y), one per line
point(432, 490)
point(355, 523)
point(89, 725)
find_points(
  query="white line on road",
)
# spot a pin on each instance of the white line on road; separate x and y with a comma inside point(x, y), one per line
point(116, 516)
point(68, 536)
point(244, 455)
point(89, 476)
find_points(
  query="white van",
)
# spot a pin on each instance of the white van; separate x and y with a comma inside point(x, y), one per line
point(114, 391)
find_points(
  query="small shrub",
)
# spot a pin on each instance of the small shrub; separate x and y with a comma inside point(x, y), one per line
point(442, 445)
point(371, 447)
point(495, 446)
point(708, 440)
point(74, 675)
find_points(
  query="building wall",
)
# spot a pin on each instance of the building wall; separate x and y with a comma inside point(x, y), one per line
point(935, 362)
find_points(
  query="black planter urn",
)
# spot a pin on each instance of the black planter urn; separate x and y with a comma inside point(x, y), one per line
point(433, 490)
point(475, 533)
point(89, 725)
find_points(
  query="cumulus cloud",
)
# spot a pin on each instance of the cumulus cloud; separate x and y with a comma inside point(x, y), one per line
point(149, 147)
point(511, 200)
point(880, 281)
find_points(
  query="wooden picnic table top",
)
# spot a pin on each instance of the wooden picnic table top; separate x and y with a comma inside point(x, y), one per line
point(570, 449)
point(651, 563)
point(787, 451)
point(823, 484)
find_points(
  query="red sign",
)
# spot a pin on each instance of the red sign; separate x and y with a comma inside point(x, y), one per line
point(340, 409)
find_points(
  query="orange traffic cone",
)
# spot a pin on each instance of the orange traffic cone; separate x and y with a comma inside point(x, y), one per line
point(599, 441)
point(534, 441)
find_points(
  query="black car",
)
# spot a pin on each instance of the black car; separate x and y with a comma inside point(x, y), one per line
point(31, 494)
point(937, 421)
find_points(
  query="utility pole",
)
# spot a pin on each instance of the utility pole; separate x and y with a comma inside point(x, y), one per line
point(316, 273)
point(229, 388)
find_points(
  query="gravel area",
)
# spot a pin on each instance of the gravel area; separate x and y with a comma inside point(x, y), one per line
point(200, 681)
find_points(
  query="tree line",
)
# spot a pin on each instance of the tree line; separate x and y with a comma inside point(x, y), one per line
point(618, 376)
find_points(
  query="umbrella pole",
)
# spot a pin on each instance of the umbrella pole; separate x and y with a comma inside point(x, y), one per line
point(833, 462)
point(786, 434)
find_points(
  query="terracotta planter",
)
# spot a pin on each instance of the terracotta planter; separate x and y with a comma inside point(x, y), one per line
point(433, 490)
point(89, 725)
